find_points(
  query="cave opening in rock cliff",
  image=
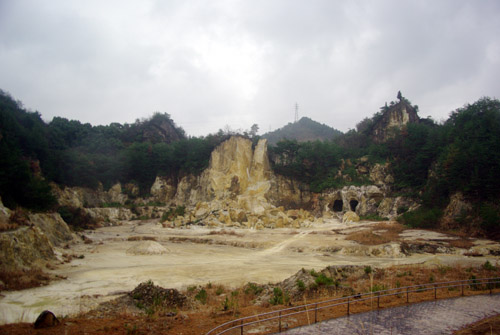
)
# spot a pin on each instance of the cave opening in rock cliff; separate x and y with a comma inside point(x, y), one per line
point(337, 206)
point(353, 204)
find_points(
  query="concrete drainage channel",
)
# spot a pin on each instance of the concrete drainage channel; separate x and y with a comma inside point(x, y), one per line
point(278, 321)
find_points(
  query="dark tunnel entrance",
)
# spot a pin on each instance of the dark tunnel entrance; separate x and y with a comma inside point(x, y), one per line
point(337, 206)
point(353, 204)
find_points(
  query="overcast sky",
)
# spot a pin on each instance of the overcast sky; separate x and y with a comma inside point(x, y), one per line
point(214, 63)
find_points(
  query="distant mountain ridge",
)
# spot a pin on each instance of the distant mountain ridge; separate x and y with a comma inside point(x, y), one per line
point(303, 130)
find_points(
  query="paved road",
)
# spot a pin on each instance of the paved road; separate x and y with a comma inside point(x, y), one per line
point(433, 317)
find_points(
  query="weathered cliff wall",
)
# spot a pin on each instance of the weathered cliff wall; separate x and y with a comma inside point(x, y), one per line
point(236, 172)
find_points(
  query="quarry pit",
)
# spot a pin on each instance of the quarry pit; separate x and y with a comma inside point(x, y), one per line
point(104, 266)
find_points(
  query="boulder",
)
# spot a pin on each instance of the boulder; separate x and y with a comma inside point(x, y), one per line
point(46, 319)
point(350, 217)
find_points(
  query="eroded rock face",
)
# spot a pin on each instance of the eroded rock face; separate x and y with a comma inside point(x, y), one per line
point(53, 226)
point(85, 197)
point(23, 248)
point(115, 194)
point(289, 193)
point(110, 215)
point(364, 200)
point(235, 172)
point(360, 199)
point(239, 188)
point(457, 208)
point(380, 175)
point(29, 245)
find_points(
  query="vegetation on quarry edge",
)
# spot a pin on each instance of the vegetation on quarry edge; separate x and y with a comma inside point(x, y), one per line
point(429, 161)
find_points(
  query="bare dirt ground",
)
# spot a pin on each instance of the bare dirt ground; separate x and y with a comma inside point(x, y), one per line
point(486, 326)
point(199, 255)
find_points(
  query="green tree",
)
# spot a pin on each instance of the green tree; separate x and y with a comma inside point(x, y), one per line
point(471, 160)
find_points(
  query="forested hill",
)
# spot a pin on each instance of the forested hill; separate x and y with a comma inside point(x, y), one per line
point(303, 130)
point(429, 162)
point(68, 152)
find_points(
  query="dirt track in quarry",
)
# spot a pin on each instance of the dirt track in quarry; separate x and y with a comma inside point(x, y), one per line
point(197, 255)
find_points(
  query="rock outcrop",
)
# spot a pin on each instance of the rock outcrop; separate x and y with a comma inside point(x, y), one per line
point(163, 189)
point(458, 209)
point(111, 215)
point(159, 129)
point(52, 226)
point(394, 117)
point(236, 172)
point(81, 197)
point(32, 244)
point(364, 200)
point(24, 248)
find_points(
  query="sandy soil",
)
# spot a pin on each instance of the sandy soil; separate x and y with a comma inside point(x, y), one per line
point(196, 256)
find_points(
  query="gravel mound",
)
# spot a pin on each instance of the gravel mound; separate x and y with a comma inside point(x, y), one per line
point(148, 295)
point(147, 248)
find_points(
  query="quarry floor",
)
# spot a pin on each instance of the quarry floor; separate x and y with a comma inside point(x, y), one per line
point(198, 255)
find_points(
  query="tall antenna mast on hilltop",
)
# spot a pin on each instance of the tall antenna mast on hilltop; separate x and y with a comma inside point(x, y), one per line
point(296, 112)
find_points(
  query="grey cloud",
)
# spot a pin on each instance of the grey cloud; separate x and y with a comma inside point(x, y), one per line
point(222, 62)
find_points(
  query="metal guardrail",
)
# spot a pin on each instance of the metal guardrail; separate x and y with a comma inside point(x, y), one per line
point(279, 315)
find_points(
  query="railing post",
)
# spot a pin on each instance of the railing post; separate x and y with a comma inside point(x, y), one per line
point(491, 282)
point(279, 323)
